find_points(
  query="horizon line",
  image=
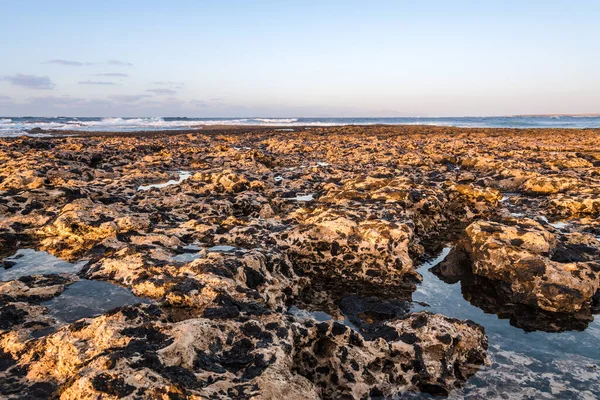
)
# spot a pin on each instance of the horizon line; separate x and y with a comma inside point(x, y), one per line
point(313, 117)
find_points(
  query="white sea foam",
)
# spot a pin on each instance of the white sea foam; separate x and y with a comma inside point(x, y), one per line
point(19, 126)
point(277, 120)
point(183, 175)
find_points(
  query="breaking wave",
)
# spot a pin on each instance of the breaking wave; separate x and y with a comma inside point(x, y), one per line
point(15, 126)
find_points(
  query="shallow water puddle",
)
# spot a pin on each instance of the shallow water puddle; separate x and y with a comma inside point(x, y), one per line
point(187, 257)
point(307, 197)
point(183, 175)
point(560, 225)
point(525, 364)
point(191, 256)
point(319, 316)
point(193, 247)
point(27, 262)
point(222, 249)
point(86, 298)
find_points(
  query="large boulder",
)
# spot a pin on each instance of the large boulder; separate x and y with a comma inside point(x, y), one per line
point(551, 271)
point(550, 184)
point(340, 244)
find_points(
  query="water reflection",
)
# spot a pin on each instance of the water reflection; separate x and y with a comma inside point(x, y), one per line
point(183, 175)
point(85, 298)
point(555, 362)
point(27, 262)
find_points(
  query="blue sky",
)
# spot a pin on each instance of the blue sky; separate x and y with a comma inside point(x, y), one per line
point(299, 58)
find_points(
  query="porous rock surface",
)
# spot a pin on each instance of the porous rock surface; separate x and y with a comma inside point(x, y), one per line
point(135, 353)
point(263, 220)
point(540, 267)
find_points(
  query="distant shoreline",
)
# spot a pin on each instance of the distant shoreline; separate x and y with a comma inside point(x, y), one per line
point(380, 129)
point(11, 127)
point(553, 115)
point(314, 117)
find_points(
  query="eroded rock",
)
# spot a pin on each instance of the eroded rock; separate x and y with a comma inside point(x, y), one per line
point(554, 272)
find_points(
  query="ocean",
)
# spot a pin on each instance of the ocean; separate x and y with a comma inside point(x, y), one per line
point(13, 126)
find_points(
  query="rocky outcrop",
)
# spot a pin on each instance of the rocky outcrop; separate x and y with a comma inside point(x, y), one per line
point(325, 219)
point(243, 275)
point(401, 355)
point(135, 352)
point(545, 185)
point(22, 317)
point(346, 246)
point(540, 268)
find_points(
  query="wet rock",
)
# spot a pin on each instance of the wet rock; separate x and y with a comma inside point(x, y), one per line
point(423, 352)
point(343, 245)
point(365, 311)
point(556, 273)
point(326, 218)
point(134, 349)
point(22, 317)
point(496, 298)
point(545, 185)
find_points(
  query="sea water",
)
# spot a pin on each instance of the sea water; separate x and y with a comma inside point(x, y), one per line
point(13, 126)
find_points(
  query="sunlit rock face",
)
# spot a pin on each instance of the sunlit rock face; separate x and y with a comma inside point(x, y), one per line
point(554, 272)
point(255, 263)
point(135, 350)
point(345, 245)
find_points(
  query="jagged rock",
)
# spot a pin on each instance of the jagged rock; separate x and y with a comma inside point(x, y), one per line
point(474, 200)
point(227, 181)
point(21, 315)
point(545, 185)
point(347, 247)
point(134, 350)
point(584, 204)
point(556, 274)
point(328, 217)
point(244, 275)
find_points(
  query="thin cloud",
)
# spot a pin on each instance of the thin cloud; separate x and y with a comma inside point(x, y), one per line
point(176, 85)
point(113, 74)
point(129, 98)
point(95, 83)
point(67, 62)
point(217, 101)
point(119, 63)
point(73, 63)
point(57, 100)
point(30, 81)
point(162, 91)
point(199, 103)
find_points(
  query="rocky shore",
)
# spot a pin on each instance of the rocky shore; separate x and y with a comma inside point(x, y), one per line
point(262, 263)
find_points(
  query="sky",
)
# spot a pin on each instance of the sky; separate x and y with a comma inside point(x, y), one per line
point(228, 58)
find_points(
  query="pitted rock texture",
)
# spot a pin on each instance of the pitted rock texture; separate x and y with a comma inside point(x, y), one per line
point(22, 317)
point(371, 250)
point(329, 219)
point(540, 268)
point(134, 352)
